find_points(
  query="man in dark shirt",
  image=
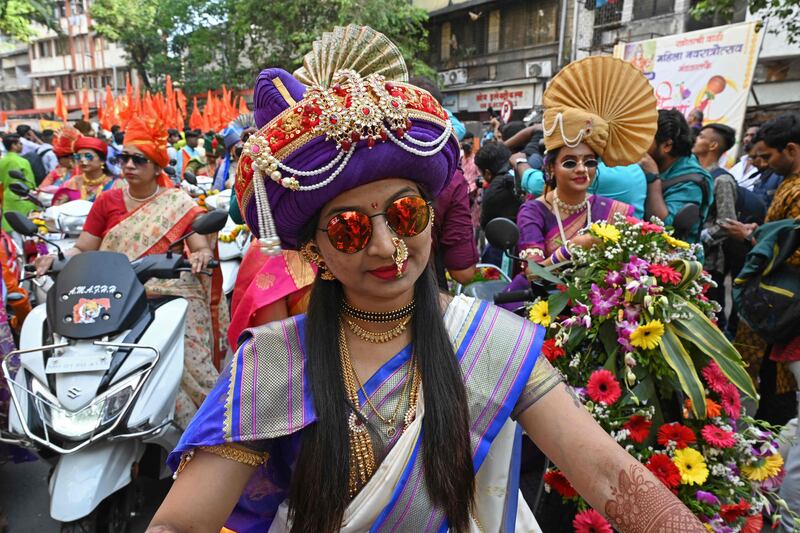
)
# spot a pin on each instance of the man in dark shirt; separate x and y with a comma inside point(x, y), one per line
point(500, 199)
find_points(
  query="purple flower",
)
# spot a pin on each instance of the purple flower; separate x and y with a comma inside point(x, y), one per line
point(581, 316)
point(635, 268)
point(633, 285)
point(614, 278)
point(625, 343)
point(603, 300)
point(631, 313)
point(774, 483)
point(625, 328)
point(706, 497)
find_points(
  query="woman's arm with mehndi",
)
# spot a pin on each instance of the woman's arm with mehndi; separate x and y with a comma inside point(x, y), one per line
point(612, 481)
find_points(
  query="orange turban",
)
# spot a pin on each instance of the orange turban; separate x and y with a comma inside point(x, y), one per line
point(149, 135)
point(64, 141)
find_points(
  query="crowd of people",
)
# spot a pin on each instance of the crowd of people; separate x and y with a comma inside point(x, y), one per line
point(331, 290)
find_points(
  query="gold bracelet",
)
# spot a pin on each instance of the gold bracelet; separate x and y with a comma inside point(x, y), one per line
point(232, 452)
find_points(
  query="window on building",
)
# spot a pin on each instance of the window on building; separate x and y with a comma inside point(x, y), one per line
point(60, 9)
point(468, 37)
point(44, 49)
point(62, 46)
point(105, 80)
point(528, 23)
point(76, 7)
point(609, 13)
point(643, 9)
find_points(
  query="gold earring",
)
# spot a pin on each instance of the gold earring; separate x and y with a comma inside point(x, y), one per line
point(310, 253)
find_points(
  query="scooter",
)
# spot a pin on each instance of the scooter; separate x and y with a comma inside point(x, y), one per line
point(100, 368)
point(232, 249)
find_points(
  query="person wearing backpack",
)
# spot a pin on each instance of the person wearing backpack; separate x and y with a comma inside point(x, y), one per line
point(711, 142)
point(14, 161)
point(675, 178)
point(43, 160)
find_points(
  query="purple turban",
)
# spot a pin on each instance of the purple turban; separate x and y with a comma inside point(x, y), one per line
point(288, 120)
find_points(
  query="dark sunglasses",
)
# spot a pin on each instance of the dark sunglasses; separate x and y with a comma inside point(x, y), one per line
point(138, 160)
point(87, 157)
point(350, 231)
point(571, 164)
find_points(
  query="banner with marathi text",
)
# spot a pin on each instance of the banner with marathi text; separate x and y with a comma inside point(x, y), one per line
point(710, 70)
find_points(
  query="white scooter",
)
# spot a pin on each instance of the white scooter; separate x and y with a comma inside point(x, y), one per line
point(100, 368)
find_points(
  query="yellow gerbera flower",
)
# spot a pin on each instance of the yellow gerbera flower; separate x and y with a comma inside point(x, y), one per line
point(676, 243)
point(692, 466)
point(540, 313)
point(647, 336)
point(604, 231)
point(764, 469)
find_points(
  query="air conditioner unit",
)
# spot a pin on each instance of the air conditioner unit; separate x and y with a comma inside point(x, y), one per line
point(539, 69)
point(453, 77)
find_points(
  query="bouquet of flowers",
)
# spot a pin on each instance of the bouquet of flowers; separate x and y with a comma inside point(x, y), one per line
point(656, 373)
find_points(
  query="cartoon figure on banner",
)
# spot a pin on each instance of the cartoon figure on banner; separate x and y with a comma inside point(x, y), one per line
point(88, 310)
point(715, 86)
point(641, 56)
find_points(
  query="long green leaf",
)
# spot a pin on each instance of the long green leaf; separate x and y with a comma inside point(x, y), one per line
point(540, 271)
point(701, 332)
point(556, 303)
point(680, 361)
point(690, 270)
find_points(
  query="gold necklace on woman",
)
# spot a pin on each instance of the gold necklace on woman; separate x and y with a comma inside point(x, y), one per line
point(378, 337)
point(86, 183)
point(362, 455)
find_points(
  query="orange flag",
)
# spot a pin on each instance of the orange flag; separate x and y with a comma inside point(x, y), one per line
point(60, 109)
point(3, 118)
point(85, 103)
point(243, 106)
point(195, 120)
point(180, 99)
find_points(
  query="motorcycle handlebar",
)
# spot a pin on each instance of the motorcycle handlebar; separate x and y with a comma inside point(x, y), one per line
point(513, 296)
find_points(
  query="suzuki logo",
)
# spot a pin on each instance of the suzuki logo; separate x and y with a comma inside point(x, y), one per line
point(73, 392)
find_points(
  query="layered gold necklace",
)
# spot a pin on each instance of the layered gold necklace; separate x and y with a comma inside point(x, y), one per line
point(362, 455)
point(402, 316)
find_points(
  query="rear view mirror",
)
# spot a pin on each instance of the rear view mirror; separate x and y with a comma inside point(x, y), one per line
point(190, 177)
point(17, 175)
point(685, 219)
point(21, 224)
point(20, 189)
point(502, 233)
point(210, 222)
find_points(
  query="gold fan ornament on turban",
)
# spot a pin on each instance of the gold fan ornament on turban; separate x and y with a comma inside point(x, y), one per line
point(604, 102)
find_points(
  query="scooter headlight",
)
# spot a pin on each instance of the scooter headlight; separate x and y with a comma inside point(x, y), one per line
point(77, 425)
point(71, 225)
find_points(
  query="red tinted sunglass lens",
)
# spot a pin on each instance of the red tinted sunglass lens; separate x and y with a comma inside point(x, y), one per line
point(349, 232)
point(408, 216)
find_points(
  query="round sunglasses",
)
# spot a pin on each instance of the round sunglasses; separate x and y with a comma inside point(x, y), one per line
point(87, 157)
point(572, 164)
point(350, 231)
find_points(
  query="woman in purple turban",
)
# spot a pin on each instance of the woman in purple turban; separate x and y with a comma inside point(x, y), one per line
point(388, 405)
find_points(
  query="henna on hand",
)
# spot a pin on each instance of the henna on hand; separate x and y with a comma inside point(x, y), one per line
point(642, 504)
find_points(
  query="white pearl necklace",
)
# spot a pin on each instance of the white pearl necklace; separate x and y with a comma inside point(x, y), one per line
point(561, 225)
point(132, 198)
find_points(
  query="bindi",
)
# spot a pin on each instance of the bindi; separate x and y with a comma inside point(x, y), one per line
point(374, 205)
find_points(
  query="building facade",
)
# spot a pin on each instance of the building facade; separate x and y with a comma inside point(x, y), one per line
point(15, 81)
point(76, 59)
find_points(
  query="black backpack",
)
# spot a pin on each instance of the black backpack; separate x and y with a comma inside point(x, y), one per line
point(36, 159)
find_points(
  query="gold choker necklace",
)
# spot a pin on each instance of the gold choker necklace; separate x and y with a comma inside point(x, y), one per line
point(378, 337)
point(371, 316)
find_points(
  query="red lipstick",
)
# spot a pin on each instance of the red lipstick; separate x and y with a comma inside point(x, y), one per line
point(388, 272)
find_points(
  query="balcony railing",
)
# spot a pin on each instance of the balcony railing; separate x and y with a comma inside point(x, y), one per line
point(609, 13)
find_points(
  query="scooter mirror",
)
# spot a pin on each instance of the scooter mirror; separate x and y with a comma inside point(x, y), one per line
point(190, 177)
point(170, 171)
point(17, 175)
point(502, 233)
point(210, 222)
point(21, 224)
point(20, 189)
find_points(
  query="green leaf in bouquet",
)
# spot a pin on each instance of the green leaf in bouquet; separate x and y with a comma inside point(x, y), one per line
point(681, 362)
point(689, 270)
point(608, 336)
point(707, 337)
point(556, 303)
point(576, 337)
point(539, 271)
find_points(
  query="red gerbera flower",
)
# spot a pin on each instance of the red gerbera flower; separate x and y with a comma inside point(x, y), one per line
point(603, 387)
point(591, 521)
point(714, 377)
point(731, 402)
point(664, 469)
point(753, 524)
point(558, 481)
point(732, 511)
point(666, 274)
point(717, 437)
point(648, 227)
point(551, 351)
point(678, 433)
point(639, 428)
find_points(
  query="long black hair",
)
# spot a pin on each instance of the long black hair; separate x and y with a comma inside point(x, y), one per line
point(318, 494)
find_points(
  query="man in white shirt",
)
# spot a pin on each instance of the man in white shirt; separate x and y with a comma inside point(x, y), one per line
point(30, 142)
point(744, 172)
point(45, 150)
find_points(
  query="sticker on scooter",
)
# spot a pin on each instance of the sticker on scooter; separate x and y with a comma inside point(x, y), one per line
point(88, 310)
point(92, 289)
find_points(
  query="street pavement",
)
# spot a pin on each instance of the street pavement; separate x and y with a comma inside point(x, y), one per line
point(25, 501)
